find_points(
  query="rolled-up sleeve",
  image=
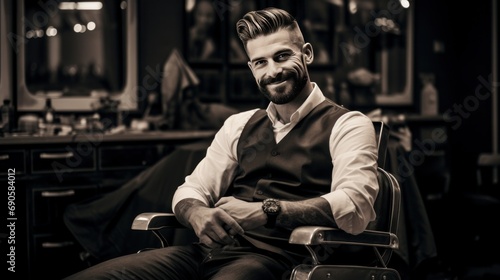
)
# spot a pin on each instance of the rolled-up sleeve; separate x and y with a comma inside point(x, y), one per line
point(214, 173)
point(354, 177)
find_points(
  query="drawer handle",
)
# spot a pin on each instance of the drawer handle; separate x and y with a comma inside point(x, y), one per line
point(4, 157)
point(56, 155)
point(57, 244)
point(58, 194)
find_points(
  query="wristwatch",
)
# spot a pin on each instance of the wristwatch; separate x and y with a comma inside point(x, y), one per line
point(272, 208)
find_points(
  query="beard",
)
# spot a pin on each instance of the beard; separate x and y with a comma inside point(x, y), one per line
point(280, 94)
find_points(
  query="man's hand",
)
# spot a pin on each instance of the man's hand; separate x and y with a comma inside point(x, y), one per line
point(213, 226)
point(249, 215)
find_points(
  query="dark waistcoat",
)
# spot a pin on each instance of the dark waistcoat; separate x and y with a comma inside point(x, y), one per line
point(298, 167)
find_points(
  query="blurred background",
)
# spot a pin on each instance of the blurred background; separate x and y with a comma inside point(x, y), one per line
point(134, 73)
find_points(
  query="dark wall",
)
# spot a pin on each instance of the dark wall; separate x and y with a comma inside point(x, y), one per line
point(474, 60)
point(160, 28)
point(465, 31)
point(470, 39)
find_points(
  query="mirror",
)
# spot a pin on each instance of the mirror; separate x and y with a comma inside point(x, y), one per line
point(377, 50)
point(76, 53)
point(395, 57)
point(5, 58)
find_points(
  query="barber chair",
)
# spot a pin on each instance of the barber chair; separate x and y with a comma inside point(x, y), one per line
point(482, 207)
point(379, 238)
point(488, 165)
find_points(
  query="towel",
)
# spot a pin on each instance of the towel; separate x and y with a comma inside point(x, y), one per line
point(177, 76)
point(181, 107)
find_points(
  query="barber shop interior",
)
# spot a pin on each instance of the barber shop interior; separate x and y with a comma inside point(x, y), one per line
point(276, 139)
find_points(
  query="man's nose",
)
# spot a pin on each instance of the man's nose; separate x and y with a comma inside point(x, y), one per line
point(274, 69)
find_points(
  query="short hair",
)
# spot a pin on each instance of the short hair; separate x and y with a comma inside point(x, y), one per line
point(265, 22)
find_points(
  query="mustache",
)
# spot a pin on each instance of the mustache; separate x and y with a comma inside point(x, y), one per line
point(284, 75)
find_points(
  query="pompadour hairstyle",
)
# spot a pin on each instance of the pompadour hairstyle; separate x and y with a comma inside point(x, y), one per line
point(264, 22)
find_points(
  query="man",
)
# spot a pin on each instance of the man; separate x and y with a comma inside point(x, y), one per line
point(302, 161)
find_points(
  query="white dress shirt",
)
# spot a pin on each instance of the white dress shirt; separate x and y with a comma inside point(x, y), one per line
point(352, 147)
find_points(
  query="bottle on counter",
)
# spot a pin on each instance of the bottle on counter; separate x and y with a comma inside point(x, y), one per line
point(46, 124)
point(48, 112)
point(428, 96)
point(7, 115)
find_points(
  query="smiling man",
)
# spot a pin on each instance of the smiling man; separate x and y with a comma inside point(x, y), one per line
point(304, 160)
point(278, 63)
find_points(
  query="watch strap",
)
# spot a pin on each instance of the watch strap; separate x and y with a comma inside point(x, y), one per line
point(271, 221)
point(272, 208)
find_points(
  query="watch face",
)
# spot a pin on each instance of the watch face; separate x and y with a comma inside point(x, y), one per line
point(271, 206)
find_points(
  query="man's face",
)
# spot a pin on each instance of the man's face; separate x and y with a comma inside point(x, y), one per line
point(278, 66)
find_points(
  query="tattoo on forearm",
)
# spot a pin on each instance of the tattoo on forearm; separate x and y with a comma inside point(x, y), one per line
point(315, 211)
point(183, 209)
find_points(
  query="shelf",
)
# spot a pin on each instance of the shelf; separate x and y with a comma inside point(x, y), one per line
point(165, 137)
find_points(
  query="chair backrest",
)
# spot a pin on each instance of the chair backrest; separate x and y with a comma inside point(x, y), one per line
point(387, 204)
point(382, 136)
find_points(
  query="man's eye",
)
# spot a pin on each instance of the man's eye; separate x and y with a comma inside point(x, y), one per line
point(259, 62)
point(282, 56)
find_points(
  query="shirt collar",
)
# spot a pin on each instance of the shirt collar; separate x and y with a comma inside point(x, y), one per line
point(313, 100)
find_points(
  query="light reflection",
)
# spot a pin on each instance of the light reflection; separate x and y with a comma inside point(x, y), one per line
point(405, 3)
point(89, 6)
point(79, 28)
point(31, 34)
point(353, 7)
point(91, 25)
point(51, 31)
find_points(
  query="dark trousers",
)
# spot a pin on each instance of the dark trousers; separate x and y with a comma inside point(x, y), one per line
point(193, 261)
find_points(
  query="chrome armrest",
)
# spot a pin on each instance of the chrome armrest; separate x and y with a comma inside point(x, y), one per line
point(155, 221)
point(315, 235)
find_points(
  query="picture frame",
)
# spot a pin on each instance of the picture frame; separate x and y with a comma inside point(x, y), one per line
point(236, 10)
point(203, 32)
point(319, 23)
point(378, 43)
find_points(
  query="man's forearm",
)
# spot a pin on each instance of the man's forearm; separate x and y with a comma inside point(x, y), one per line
point(184, 208)
point(314, 211)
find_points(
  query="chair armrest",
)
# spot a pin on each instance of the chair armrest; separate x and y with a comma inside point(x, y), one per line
point(155, 221)
point(315, 235)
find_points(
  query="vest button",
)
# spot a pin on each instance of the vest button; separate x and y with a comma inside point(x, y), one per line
point(259, 192)
point(274, 153)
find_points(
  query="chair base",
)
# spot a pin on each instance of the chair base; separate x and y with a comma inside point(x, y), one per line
point(343, 272)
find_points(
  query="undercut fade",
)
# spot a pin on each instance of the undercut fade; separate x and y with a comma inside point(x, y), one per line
point(265, 22)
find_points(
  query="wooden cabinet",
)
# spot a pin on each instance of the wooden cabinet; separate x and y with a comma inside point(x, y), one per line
point(55, 171)
point(49, 160)
point(52, 251)
point(13, 159)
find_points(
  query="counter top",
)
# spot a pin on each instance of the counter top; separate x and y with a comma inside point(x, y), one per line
point(165, 137)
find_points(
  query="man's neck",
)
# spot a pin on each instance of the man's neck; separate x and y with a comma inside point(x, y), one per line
point(284, 111)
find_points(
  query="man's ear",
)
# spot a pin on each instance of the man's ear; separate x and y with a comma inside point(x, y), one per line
point(307, 51)
point(250, 66)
